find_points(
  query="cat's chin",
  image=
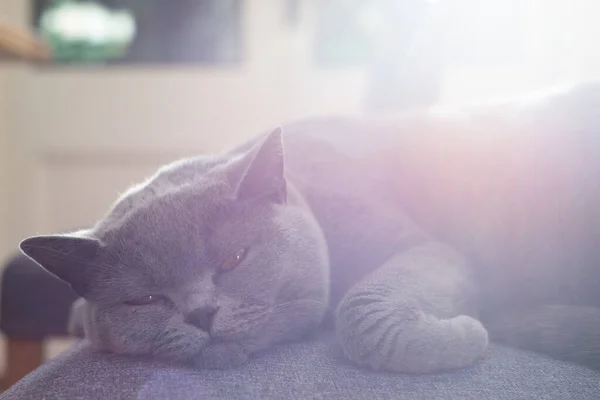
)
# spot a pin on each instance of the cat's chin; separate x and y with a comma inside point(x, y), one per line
point(221, 355)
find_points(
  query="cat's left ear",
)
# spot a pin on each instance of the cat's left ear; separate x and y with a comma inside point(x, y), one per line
point(263, 171)
point(68, 257)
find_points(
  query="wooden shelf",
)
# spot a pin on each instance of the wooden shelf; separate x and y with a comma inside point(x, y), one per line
point(19, 44)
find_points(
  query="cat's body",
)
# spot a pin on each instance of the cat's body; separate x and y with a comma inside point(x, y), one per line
point(406, 229)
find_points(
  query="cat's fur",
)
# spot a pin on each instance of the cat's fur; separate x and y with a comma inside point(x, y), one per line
point(408, 230)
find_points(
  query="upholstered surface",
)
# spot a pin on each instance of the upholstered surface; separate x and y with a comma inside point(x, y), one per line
point(309, 370)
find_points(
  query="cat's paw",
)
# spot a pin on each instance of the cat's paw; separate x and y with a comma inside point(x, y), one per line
point(407, 340)
point(472, 338)
point(441, 345)
point(221, 356)
point(180, 342)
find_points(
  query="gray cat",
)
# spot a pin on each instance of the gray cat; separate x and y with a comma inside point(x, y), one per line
point(404, 231)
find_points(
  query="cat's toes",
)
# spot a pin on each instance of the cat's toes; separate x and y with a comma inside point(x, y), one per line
point(410, 341)
point(181, 343)
point(221, 356)
point(474, 337)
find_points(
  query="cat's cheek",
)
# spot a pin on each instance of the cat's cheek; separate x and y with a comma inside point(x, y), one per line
point(180, 343)
point(235, 321)
point(233, 328)
point(139, 331)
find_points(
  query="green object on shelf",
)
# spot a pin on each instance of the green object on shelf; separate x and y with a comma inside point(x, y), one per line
point(86, 32)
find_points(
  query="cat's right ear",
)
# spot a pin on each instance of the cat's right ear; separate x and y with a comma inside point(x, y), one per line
point(65, 256)
point(259, 174)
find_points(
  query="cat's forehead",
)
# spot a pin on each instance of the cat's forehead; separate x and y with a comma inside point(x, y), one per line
point(172, 211)
point(180, 201)
point(167, 235)
point(202, 172)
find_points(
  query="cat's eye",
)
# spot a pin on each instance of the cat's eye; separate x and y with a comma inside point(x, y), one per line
point(233, 260)
point(144, 300)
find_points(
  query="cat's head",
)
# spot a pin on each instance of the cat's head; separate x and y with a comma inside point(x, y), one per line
point(211, 250)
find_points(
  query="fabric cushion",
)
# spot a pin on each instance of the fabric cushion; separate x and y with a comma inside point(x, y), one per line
point(308, 370)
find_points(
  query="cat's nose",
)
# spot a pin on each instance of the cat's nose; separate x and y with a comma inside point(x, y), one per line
point(202, 317)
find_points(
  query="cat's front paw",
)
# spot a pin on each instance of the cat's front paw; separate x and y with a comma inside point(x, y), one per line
point(402, 338)
point(221, 356)
point(472, 336)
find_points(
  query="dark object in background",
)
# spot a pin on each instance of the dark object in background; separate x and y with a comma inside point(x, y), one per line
point(34, 306)
point(167, 32)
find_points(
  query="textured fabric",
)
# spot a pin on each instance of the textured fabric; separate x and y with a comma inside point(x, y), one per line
point(310, 370)
point(34, 303)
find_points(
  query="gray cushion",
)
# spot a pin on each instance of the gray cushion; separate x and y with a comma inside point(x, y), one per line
point(309, 370)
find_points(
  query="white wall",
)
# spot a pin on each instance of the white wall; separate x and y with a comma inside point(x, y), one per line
point(79, 136)
point(561, 48)
point(7, 10)
point(202, 107)
point(74, 137)
point(4, 165)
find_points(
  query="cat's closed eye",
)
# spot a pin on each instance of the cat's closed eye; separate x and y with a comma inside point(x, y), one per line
point(233, 260)
point(145, 300)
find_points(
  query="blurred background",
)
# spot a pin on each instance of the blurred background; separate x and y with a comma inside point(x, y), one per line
point(136, 83)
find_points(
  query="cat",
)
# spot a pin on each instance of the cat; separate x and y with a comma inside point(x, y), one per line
point(421, 236)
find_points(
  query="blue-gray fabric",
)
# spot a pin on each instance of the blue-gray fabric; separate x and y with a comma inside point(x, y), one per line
point(309, 370)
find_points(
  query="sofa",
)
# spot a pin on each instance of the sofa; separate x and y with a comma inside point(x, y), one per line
point(35, 306)
point(313, 369)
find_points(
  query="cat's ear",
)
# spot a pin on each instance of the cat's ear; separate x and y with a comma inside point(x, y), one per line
point(66, 256)
point(260, 173)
